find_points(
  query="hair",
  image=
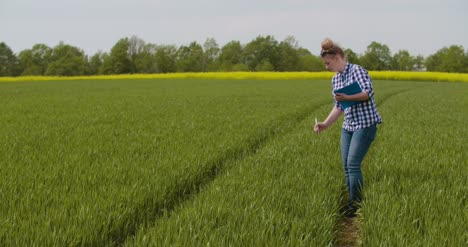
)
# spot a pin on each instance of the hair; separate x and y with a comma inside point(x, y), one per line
point(330, 48)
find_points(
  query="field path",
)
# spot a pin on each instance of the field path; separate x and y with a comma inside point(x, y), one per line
point(348, 232)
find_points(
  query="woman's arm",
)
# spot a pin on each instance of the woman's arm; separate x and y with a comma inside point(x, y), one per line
point(362, 96)
point(332, 117)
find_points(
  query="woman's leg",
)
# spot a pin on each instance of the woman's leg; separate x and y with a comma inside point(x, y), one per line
point(359, 145)
point(345, 143)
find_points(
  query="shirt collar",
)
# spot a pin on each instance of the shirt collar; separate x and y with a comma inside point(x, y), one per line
point(347, 69)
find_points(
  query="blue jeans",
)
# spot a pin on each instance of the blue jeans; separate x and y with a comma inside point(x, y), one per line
point(354, 146)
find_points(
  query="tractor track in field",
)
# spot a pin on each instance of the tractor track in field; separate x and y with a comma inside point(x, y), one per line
point(190, 188)
point(347, 229)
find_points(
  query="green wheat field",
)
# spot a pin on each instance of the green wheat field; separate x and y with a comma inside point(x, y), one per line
point(194, 162)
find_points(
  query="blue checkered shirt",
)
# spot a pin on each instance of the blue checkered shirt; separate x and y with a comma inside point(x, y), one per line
point(361, 115)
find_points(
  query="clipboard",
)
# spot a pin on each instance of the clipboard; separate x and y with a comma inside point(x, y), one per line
point(351, 89)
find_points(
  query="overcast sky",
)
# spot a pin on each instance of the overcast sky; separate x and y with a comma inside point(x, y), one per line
point(420, 26)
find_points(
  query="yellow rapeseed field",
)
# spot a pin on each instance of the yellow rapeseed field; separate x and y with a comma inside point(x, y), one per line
point(376, 75)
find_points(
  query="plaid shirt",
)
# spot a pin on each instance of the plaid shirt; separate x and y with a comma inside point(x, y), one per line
point(361, 115)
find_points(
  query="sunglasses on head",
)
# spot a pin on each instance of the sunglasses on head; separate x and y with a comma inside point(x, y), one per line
point(325, 52)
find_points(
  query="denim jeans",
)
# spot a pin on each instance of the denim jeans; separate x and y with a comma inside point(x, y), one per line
point(354, 146)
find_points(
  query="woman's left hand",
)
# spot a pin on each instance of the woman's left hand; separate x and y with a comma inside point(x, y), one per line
point(341, 97)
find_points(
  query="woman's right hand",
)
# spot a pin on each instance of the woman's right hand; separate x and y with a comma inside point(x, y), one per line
point(319, 127)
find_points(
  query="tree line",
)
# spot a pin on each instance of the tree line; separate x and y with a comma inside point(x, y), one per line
point(264, 53)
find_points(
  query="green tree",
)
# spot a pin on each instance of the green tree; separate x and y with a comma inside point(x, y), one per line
point(145, 60)
point(403, 61)
point(466, 62)
point(28, 67)
point(265, 65)
point(377, 57)
point(451, 59)
point(419, 63)
point(309, 62)
point(351, 56)
point(66, 60)
point(118, 61)
point(434, 61)
point(230, 56)
point(211, 54)
point(35, 61)
point(239, 67)
point(190, 58)
point(260, 50)
point(95, 62)
point(9, 65)
point(289, 56)
point(165, 59)
point(136, 51)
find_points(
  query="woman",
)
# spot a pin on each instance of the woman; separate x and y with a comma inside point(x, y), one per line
point(360, 120)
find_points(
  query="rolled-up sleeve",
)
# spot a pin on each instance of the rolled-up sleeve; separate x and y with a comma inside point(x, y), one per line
point(336, 103)
point(364, 80)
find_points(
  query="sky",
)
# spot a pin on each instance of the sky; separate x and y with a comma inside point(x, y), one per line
point(421, 27)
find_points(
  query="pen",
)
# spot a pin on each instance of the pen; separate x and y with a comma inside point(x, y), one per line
point(316, 123)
